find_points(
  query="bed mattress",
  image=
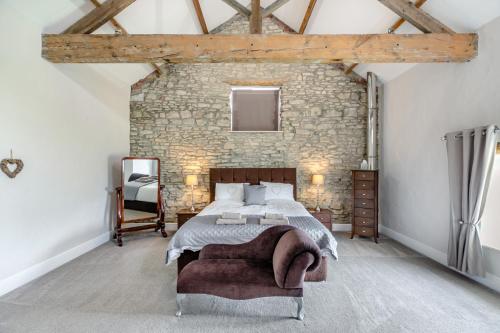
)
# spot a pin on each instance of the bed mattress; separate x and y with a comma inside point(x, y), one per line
point(202, 230)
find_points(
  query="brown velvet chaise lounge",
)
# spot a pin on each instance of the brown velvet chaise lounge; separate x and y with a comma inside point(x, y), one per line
point(273, 264)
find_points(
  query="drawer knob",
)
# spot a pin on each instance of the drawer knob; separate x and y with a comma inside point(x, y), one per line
point(363, 231)
point(364, 203)
point(364, 194)
point(364, 222)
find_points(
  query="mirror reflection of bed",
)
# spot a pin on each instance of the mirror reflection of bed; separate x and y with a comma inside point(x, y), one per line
point(139, 200)
point(140, 188)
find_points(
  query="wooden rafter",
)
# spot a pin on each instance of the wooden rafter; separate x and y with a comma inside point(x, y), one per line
point(272, 7)
point(256, 18)
point(124, 31)
point(238, 7)
point(201, 18)
point(112, 20)
point(392, 28)
point(98, 17)
point(307, 16)
point(399, 23)
point(382, 48)
point(349, 68)
point(417, 17)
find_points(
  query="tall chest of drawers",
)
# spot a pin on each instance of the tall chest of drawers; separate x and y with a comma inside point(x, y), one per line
point(365, 203)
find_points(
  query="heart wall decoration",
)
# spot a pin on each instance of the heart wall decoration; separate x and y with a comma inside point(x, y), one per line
point(11, 166)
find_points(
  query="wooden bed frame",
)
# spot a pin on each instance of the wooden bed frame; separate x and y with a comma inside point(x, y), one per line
point(253, 176)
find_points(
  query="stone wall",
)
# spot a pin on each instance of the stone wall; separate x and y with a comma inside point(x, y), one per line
point(183, 117)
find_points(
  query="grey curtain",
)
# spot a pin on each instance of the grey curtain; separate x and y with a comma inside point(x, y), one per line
point(470, 162)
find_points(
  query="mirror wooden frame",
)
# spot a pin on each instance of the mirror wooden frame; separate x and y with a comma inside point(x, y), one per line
point(159, 224)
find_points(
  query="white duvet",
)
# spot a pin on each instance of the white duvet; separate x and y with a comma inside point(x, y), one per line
point(280, 206)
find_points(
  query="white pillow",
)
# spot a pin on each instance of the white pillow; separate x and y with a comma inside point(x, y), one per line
point(229, 191)
point(278, 191)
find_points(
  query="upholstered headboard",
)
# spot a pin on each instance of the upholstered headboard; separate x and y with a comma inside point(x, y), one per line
point(252, 176)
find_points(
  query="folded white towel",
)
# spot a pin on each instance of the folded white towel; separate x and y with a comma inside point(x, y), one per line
point(232, 216)
point(275, 216)
point(282, 221)
point(231, 221)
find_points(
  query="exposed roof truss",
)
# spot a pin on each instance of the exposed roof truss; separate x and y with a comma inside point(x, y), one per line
point(439, 44)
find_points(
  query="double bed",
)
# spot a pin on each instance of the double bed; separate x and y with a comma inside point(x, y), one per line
point(202, 229)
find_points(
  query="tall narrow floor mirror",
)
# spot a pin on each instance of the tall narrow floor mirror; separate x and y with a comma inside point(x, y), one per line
point(139, 198)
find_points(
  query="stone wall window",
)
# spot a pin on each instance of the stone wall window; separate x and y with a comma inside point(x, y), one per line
point(255, 109)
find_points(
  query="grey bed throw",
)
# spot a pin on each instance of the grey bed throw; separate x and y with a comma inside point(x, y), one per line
point(202, 230)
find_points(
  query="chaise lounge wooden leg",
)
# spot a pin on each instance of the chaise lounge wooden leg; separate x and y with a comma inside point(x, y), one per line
point(300, 307)
point(179, 299)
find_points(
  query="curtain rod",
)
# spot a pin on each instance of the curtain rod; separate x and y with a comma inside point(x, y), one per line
point(443, 138)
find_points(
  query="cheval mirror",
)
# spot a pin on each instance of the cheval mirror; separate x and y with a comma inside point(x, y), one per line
point(139, 199)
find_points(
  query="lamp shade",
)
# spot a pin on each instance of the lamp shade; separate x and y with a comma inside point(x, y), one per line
point(191, 180)
point(318, 179)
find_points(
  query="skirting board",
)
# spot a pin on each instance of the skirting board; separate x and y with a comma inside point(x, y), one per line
point(37, 270)
point(335, 227)
point(490, 281)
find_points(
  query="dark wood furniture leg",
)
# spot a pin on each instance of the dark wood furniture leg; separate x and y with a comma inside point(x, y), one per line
point(119, 217)
point(159, 225)
point(161, 221)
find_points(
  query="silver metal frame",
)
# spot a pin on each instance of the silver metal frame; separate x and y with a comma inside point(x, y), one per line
point(300, 307)
point(371, 144)
point(298, 300)
point(179, 298)
point(443, 138)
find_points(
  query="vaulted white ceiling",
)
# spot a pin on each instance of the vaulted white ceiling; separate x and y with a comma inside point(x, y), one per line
point(329, 17)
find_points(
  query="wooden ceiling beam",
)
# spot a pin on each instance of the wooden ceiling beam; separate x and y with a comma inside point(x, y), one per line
point(238, 7)
point(383, 48)
point(272, 7)
point(256, 18)
point(98, 17)
point(307, 16)
point(124, 31)
point(201, 18)
point(392, 29)
point(417, 17)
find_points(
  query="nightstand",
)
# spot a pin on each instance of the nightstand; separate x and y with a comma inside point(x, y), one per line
point(324, 216)
point(183, 215)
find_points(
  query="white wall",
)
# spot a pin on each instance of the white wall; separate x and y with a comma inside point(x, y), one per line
point(420, 107)
point(490, 230)
point(69, 124)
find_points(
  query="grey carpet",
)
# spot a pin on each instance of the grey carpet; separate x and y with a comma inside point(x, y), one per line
point(372, 288)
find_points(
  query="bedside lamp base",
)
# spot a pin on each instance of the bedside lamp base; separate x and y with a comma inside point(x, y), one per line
point(318, 209)
point(192, 198)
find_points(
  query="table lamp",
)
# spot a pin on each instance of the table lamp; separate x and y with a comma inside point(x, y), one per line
point(318, 180)
point(191, 180)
